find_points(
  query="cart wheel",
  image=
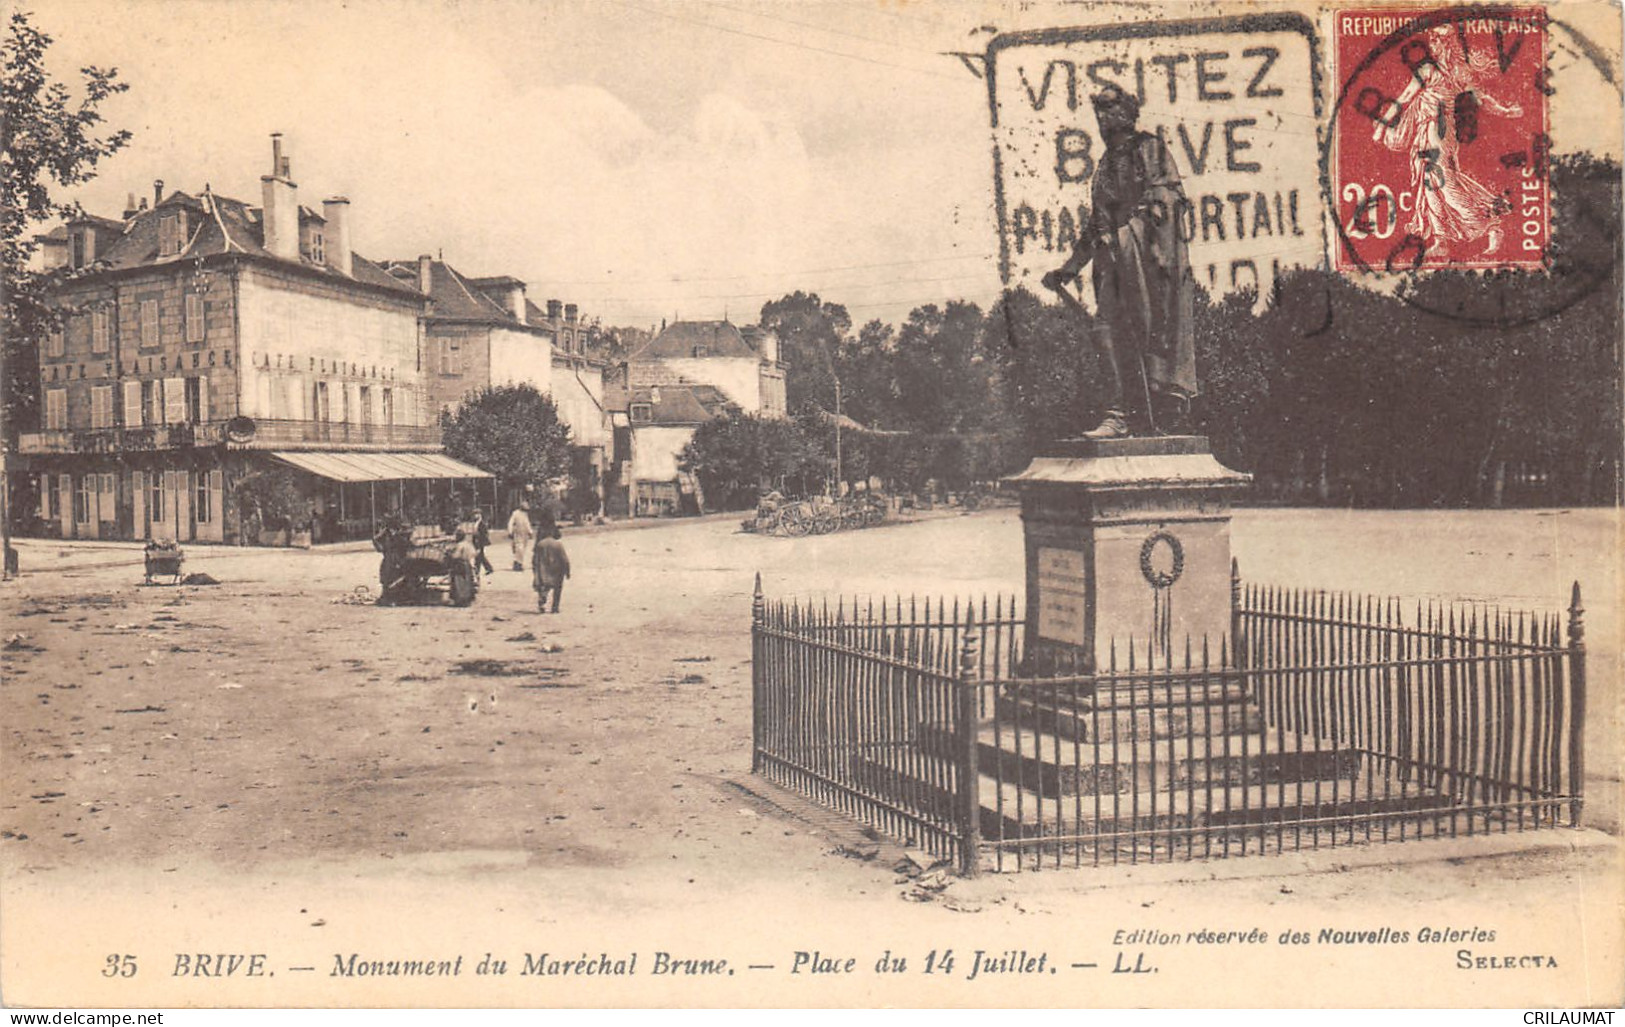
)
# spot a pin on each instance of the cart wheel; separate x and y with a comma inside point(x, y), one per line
point(794, 521)
point(462, 585)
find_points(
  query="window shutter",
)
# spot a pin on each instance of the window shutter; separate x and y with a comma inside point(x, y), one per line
point(56, 410)
point(101, 406)
point(149, 322)
point(202, 399)
point(216, 490)
point(194, 317)
point(174, 400)
point(132, 405)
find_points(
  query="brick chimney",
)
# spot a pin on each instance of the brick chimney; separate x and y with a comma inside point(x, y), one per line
point(280, 203)
point(570, 312)
point(425, 274)
point(336, 211)
point(553, 310)
point(130, 209)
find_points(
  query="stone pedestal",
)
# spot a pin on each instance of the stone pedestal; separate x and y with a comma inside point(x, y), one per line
point(1126, 539)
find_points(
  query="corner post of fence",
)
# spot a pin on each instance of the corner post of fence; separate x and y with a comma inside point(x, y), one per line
point(969, 777)
point(758, 613)
point(1577, 705)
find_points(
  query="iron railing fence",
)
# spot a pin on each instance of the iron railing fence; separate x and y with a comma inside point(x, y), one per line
point(1334, 720)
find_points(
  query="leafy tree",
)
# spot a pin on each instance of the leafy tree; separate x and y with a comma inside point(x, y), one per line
point(48, 140)
point(270, 500)
point(1053, 379)
point(810, 333)
point(615, 344)
point(513, 431)
point(738, 456)
point(867, 366)
point(945, 379)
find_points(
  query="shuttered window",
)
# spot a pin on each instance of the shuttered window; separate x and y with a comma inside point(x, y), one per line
point(101, 332)
point(56, 410)
point(134, 416)
point(101, 406)
point(174, 400)
point(149, 322)
point(194, 317)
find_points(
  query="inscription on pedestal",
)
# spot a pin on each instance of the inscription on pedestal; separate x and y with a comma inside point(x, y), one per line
point(1062, 595)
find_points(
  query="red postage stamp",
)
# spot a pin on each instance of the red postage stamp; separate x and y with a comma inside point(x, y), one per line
point(1440, 138)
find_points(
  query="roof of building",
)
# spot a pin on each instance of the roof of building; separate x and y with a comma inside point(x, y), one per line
point(215, 225)
point(97, 220)
point(678, 404)
point(453, 294)
point(496, 282)
point(696, 338)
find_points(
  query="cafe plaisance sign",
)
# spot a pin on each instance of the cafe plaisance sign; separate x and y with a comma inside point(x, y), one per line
point(1236, 101)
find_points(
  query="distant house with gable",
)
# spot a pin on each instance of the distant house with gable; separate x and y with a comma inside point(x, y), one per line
point(691, 372)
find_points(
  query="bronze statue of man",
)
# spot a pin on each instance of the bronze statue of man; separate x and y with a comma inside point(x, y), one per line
point(1144, 292)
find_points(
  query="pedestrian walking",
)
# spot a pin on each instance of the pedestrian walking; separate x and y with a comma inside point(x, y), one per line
point(521, 533)
point(481, 538)
point(551, 566)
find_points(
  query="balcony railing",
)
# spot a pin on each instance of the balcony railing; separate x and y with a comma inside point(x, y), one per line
point(269, 434)
point(241, 432)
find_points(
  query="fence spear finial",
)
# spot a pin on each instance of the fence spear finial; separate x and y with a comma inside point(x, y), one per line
point(758, 605)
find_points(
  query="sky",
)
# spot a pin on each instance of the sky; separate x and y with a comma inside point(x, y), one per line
point(646, 159)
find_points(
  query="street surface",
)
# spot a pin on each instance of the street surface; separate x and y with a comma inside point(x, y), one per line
point(275, 750)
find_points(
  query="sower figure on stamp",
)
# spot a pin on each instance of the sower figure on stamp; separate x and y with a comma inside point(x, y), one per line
point(1141, 273)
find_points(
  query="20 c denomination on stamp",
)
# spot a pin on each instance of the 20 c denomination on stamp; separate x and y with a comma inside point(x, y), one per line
point(1440, 138)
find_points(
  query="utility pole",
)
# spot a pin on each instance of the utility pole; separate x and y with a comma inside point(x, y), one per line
point(838, 478)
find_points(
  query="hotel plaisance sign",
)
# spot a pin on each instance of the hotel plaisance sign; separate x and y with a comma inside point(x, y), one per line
point(1235, 100)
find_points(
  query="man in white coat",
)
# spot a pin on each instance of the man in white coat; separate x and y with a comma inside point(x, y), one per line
point(520, 536)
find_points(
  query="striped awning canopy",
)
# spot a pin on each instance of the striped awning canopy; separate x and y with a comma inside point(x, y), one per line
point(380, 466)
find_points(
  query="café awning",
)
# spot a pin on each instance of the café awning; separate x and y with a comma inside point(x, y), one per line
point(351, 467)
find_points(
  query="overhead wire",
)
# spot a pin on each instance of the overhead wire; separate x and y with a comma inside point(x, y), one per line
point(784, 42)
point(767, 273)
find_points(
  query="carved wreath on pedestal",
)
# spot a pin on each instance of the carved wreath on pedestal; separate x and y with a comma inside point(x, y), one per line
point(1161, 579)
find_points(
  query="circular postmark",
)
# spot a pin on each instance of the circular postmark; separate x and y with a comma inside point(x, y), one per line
point(1438, 156)
point(1162, 559)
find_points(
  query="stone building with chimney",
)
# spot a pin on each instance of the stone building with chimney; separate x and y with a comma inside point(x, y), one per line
point(482, 332)
point(208, 343)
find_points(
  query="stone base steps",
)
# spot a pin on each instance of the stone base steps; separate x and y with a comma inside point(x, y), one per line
point(1228, 712)
point(1053, 765)
point(1009, 810)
